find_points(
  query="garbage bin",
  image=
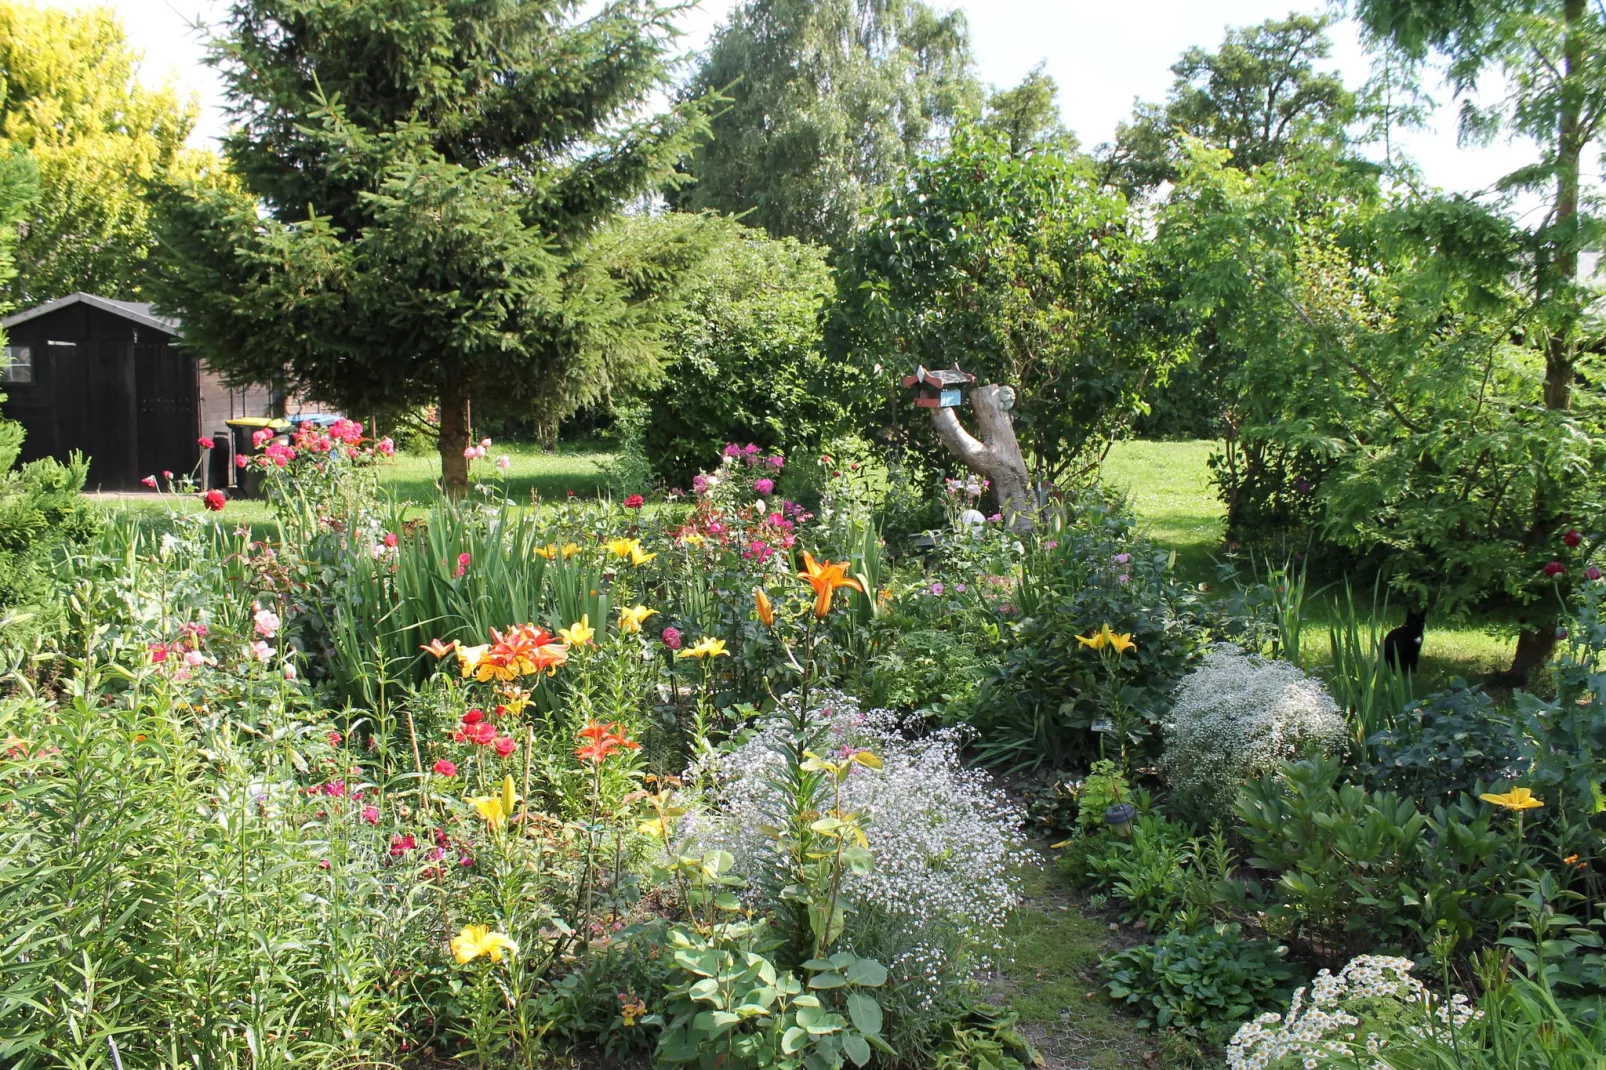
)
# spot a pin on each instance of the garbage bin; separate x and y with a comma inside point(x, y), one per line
point(248, 480)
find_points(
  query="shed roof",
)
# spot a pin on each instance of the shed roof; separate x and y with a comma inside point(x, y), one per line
point(134, 311)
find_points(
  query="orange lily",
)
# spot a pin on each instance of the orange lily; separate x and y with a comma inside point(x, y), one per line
point(825, 577)
point(766, 611)
point(438, 648)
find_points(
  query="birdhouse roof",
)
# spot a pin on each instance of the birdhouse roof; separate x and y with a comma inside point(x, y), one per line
point(939, 379)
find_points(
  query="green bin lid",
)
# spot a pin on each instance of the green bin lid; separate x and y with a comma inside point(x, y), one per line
point(257, 421)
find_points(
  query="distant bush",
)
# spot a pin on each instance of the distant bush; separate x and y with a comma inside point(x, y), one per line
point(746, 361)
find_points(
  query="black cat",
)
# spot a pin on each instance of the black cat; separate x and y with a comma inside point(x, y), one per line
point(1402, 647)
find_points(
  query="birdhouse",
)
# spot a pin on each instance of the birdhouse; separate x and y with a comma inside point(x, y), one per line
point(939, 389)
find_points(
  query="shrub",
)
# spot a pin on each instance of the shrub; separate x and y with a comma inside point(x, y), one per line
point(945, 842)
point(1450, 742)
point(42, 512)
point(1201, 982)
point(745, 359)
point(1089, 568)
point(1239, 716)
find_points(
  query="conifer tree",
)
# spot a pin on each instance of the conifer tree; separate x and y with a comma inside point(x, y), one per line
point(432, 207)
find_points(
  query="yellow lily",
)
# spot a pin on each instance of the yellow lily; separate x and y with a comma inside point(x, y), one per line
point(477, 940)
point(694, 539)
point(631, 620)
point(552, 550)
point(706, 648)
point(621, 546)
point(639, 557)
point(578, 634)
point(469, 657)
point(496, 809)
point(1107, 637)
point(1518, 799)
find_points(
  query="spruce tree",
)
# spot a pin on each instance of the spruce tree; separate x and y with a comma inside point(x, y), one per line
point(432, 207)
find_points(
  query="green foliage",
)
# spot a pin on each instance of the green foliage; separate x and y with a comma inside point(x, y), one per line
point(1450, 742)
point(827, 100)
point(1386, 382)
point(1090, 568)
point(1358, 869)
point(102, 143)
point(745, 361)
point(442, 198)
point(1260, 97)
point(1027, 117)
point(1203, 982)
point(1164, 877)
point(1023, 270)
point(736, 1009)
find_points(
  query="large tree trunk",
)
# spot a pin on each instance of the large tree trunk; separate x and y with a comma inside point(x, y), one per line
point(1533, 651)
point(453, 440)
point(1559, 276)
point(996, 456)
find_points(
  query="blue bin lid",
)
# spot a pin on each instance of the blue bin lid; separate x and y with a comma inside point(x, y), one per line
point(321, 419)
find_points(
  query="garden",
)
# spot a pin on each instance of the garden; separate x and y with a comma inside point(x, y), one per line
point(942, 599)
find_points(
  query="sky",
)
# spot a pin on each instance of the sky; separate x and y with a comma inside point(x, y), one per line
point(1104, 54)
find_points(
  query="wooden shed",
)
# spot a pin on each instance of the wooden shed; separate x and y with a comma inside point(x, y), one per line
point(109, 379)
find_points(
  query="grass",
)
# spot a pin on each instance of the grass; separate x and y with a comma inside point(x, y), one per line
point(1169, 485)
point(1049, 977)
point(411, 477)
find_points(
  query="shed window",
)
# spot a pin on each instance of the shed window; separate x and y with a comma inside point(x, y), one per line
point(18, 365)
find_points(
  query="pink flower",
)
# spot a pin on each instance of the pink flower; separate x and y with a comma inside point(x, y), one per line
point(462, 565)
point(385, 447)
point(765, 487)
point(158, 652)
point(370, 814)
point(445, 768)
point(390, 539)
point(335, 739)
point(400, 845)
point(194, 659)
point(995, 518)
point(485, 444)
point(482, 734)
point(259, 436)
point(470, 452)
point(937, 588)
point(149, 481)
point(1592, 572)
point(239, 460)
point(267, 623)
point(1123, 578)
point(1572, 538)
point(504, 462)
point(699, 484)
point(635, 501)
point(205, 443)
point(777, 462)
point(261, 651)
point(1555, 568)
point(289, 671)
point(505, 745)
point(732, 450)
point(215, 500)
point(672, 638)
point(1121, 559)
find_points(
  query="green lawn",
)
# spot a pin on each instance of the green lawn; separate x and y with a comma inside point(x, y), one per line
point(1169, 485)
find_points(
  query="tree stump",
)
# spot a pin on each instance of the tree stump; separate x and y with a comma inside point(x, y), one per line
point(996, 455)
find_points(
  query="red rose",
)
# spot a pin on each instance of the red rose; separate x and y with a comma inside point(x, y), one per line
point(474, 716)
point(1555, 568)
point(445, 768)
point(215, 500)
point(205, 443)
point(482, 734)
point(504, 745)
point(635, 501)
point(1572, 538)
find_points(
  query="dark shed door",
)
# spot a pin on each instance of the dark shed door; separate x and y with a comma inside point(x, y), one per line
point(166, 391)
point(106, 406)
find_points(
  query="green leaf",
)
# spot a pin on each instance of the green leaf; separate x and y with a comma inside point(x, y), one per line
point(867, 972)
point(865, 1012)
point(856, 1048)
